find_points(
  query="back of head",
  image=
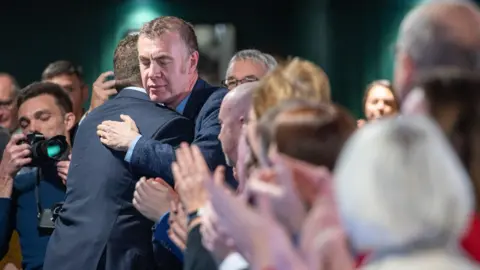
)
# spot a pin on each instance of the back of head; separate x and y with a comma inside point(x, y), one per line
point(398, 184)
point(62, 67)
point(299, 79)
point(309, 131)
point(157, 27)
point(442, 34)
point(453, 98)
point(125, 63)
point(239, 99)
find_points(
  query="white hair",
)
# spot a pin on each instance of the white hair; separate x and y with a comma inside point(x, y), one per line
point(430, 43)
point(399, 183)
point(254, 55)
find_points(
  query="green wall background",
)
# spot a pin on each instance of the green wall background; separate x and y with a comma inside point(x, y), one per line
point(351, 40)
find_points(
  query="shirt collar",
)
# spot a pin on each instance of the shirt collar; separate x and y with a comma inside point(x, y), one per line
point(139, 89)
point(181, 107)
point(136, 89)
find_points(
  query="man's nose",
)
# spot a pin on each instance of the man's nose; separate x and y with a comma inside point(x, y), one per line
point(155, 70)
point(33, 127)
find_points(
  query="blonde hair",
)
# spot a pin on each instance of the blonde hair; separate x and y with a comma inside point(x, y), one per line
point(299, 79)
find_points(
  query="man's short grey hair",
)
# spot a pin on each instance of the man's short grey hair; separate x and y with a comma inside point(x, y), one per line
point(255, 55)
point(431, 44)
point(16, 86)
point(399, 183)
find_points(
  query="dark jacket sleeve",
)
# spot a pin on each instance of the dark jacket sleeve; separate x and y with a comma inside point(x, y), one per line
point(207, 129)
point(7, 218)
point(196, 257)
point(154, 157)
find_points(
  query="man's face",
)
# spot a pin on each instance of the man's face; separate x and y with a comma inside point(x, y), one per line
point(77, 91)
point(8, 108)
point(380, 102)
point(166, 67)
point(231, 126)
point(42, 114)
point(243, 71)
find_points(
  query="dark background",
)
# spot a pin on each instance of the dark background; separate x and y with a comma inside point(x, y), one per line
point(351, 40)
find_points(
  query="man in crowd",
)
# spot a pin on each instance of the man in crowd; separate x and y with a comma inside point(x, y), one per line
point(248, 66)
point(8, 96)
point(232, 116)
point(233, 112)
point(437, 34)
point(45, 108)
point(98, 204)
point(70, 78)
point(168, 55)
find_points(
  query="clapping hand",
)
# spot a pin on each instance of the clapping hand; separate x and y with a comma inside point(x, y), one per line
point(254, 230)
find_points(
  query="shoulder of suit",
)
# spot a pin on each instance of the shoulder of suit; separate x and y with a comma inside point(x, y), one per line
point(217, 95)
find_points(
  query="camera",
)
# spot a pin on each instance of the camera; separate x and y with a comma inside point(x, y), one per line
point(46, 219)
point(46, 152)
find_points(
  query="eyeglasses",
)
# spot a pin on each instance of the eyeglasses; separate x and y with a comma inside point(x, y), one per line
point(233, 82)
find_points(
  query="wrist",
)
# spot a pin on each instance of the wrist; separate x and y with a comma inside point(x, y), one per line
point(6, 185)
point(194, 222)
point(192, 207)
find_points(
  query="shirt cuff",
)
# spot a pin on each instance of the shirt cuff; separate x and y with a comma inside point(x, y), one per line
point(128, 156)
point(233, 261)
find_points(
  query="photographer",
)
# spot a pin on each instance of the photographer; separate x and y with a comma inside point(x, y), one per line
point(28, 202)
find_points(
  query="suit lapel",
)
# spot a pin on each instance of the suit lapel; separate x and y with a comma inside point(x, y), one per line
point(200, 93)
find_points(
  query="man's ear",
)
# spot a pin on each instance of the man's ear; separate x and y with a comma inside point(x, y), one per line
point(69, 120)
point(192, 67)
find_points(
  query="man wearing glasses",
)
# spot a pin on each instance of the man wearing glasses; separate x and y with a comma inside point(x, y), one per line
point(248, 66)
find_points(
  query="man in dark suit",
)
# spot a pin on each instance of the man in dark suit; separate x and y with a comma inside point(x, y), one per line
point(98, 227)
point(168, 54)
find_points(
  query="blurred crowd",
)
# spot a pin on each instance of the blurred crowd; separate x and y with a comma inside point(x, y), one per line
point(266, 171)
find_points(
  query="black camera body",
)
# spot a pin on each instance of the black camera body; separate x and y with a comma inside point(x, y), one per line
point(46, 152)
point(46, 219)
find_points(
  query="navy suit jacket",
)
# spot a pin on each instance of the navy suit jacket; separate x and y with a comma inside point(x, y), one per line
point(98, 227)
point(202, 107)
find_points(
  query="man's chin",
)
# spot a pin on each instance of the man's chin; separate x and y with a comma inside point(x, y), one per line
point(156, 97)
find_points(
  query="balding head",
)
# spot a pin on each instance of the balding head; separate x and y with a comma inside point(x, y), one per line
point(234, 110)
point(8, 93)
point(437, 34)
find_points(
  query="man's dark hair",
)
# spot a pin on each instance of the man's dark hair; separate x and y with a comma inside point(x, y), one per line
point(125, 63)
point(46, 88)
point(306, 130)
point(62, 67)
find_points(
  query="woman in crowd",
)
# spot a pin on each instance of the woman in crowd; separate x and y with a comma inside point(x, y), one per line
point(378, 101)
